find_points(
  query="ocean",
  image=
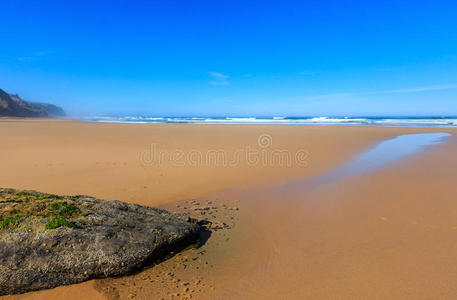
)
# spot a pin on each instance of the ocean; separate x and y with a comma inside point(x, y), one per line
point(354, 121)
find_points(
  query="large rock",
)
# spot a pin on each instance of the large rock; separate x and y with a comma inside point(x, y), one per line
point(48, 240)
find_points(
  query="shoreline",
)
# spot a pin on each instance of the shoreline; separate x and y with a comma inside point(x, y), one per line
point(249, 217)
point(382, 125)
point(397, 121)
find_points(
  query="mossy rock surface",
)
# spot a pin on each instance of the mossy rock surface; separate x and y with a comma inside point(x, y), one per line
point(49, 240)
point(18, 207)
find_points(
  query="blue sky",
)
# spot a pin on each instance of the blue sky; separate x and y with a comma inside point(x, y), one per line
point(232, 58)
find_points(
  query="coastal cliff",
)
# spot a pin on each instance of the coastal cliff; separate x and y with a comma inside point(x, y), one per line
point(13, 106)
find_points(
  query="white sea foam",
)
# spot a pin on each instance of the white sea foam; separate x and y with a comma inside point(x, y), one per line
point(321, 120)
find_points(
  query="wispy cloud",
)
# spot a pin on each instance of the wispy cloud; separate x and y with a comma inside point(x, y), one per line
point(34, 56)
point(419, 89)
point(333, 96)
point(307, 73)
point(218, 78)
point(393, 91)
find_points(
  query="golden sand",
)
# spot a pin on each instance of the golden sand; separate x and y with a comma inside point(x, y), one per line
point(387, 234)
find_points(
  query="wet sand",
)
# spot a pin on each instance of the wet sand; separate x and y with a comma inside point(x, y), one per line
point(388, 234)
point(384, 234)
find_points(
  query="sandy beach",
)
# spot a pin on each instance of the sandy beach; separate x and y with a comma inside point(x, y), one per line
point(387, 233)
point(228, 150)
